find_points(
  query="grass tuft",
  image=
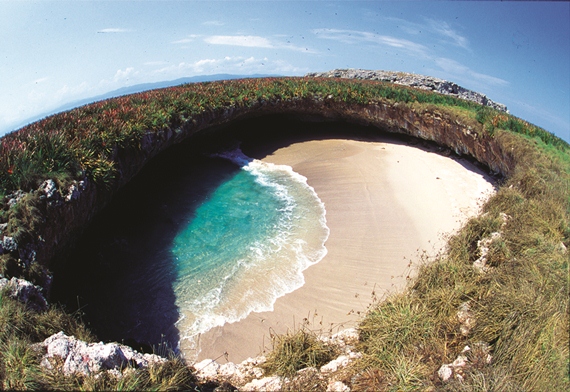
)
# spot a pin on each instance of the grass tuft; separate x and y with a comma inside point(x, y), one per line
point(297, 350)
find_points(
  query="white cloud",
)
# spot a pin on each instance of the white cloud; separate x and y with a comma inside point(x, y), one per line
point(188, 39)
point(40, 80)
point(121, 78)
point(155, 63)
point(237, 65)
point(67, 93)
point(114, 30)
point(461, 71)
point(444, 29)
point(239, 40)
point(253, 41)
point(213, 23)
point(126, 74)
point(355, 37)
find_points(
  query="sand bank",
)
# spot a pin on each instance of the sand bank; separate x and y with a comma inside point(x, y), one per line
point(386, 204)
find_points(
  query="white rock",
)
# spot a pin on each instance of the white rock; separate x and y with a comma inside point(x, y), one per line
point(257, 372)
point(73, 193)
point(207, 369)
point(81, 357)
point(460, 361)
point(228, 370)
point(104, 356)
point(354, 355)
point(263, 384)
point(445, 372)
point(49, 188)
point(348, 336)
point(466, 318)
point(337, 386)
point(335, 364)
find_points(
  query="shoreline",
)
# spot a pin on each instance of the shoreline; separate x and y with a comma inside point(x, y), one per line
point(387, 204)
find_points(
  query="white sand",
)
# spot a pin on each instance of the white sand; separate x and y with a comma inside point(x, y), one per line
point(386, 204)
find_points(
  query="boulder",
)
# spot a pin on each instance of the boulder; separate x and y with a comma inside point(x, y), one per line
point(331, 367)
point(8, 244)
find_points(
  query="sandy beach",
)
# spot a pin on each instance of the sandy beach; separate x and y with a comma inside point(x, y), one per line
point(386, 204)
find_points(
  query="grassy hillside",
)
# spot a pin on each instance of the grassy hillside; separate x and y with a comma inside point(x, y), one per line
point(518, 304)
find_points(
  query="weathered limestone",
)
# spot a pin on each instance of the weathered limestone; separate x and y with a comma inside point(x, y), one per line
point(484, 246)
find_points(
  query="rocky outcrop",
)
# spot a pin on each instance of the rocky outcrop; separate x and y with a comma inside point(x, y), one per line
point(70, 355)
point(23, 291)
point(418, 81)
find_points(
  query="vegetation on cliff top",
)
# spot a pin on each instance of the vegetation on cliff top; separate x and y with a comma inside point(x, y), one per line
point(520, 305)
point(82, 141)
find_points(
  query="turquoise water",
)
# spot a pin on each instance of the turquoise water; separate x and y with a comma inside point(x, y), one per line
point(245, 246)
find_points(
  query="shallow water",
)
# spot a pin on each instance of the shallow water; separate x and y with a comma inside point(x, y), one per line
point(192, 244)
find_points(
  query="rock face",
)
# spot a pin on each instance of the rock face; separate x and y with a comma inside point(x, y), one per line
point(70, 355)
point(419, 81)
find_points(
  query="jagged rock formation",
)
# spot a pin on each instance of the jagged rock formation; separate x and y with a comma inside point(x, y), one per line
point(418, 81)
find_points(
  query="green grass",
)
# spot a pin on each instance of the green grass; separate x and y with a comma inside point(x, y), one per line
point(521, 306)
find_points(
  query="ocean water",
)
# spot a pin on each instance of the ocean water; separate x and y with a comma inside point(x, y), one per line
point(245, 246)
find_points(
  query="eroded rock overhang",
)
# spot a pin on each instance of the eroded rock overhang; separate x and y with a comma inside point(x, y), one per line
point(67, 216)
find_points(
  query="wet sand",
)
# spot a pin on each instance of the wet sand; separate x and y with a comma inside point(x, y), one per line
point(386, 204)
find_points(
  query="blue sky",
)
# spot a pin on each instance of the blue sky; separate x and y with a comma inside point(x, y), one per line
point(56, 52)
